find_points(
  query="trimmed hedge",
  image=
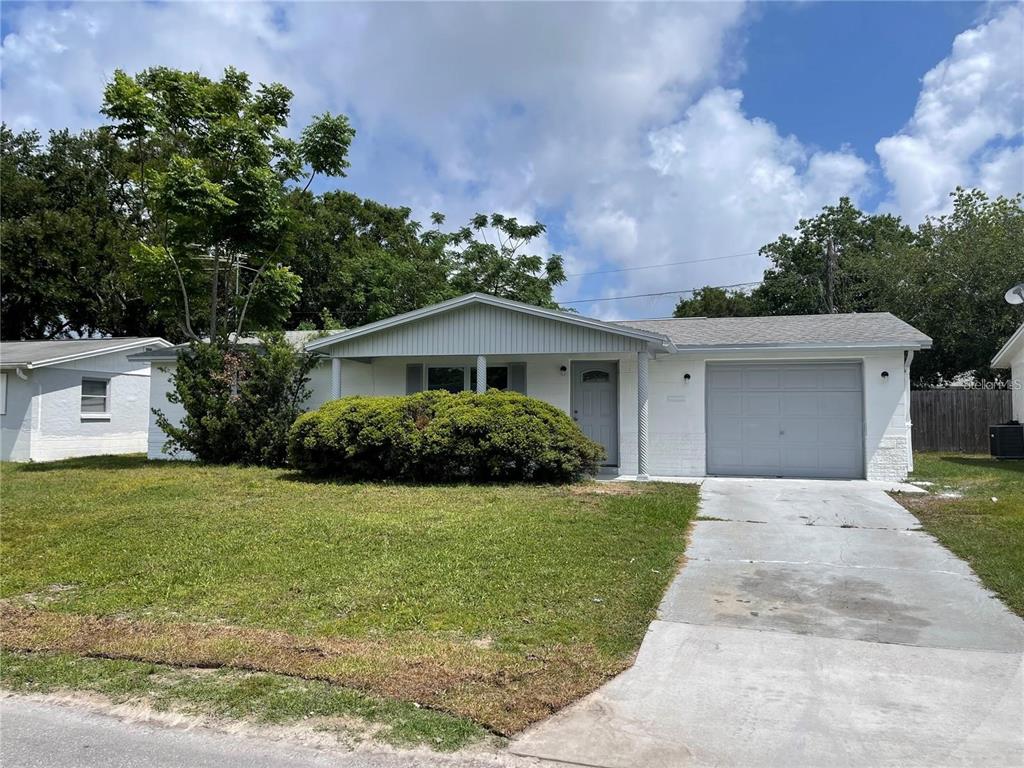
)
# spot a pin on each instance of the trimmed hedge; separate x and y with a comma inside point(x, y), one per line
point(442, 437)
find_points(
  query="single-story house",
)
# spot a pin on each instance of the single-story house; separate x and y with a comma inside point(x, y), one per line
point(1012, 356)
point(73, 397)
point(800, 396)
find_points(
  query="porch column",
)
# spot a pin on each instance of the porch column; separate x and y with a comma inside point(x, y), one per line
point(481, 373)
point(335, 377)
point(642, 360)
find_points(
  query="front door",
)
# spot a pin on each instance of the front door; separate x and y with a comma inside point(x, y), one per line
point(595, 404)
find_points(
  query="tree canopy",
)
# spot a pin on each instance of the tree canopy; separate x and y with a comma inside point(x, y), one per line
point(947, 277)
point(191, 216)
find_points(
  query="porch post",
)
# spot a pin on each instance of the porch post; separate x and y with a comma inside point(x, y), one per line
point(481, 374)
point(642, 360)
point(335, 377)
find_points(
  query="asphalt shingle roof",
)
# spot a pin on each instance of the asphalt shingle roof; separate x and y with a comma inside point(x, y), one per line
point(297, 339)
point(868, 329)
point(34, 352)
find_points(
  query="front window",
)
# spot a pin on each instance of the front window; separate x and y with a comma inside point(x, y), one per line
point(497, 377)
point(95, 397)
point(451, 378)
point(458, 378)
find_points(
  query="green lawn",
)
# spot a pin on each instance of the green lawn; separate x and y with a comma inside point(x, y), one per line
point(496, 603)
point(976, 509)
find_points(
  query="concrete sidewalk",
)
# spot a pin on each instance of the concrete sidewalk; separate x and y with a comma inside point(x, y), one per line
point(814, 624)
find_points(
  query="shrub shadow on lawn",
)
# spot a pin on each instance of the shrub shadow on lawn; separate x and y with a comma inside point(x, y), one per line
point(295, 476)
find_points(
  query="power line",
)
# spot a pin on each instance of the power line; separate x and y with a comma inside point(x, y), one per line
point(665, 264)
point(661, 293)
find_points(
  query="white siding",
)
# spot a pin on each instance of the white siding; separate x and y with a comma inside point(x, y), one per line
point(16, 423)
point(485, 330)
point(1017, 384)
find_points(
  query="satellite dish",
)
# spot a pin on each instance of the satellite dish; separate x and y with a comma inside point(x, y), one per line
point(1016, 294)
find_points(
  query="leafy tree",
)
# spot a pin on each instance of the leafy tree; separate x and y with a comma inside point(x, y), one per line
point(951, 284)
point(711, 301)
point(239, 400)
point(65, 240)
point(209, 192)
point(360, 261)
point(487, 255)
point(800, 280)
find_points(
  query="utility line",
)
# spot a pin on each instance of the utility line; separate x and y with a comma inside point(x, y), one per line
point(661, 293)
point(665, 264)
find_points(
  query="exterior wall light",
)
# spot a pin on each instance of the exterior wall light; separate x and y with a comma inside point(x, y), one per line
point(885, 375)
point(563, 370)
point(686, 377)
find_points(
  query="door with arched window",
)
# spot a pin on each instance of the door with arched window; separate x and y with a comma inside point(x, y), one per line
point(595, 404)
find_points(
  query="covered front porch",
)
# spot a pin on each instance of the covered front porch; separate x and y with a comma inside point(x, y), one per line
point(596, 372)
point(605, 394)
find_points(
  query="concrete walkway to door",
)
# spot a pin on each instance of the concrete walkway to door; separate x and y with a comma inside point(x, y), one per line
point(814, 624)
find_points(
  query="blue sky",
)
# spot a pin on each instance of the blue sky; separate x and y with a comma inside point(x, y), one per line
point(640, 134)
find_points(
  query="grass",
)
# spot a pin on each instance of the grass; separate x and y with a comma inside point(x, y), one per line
point(976, 509)
point(498, 604)
point(255, 697)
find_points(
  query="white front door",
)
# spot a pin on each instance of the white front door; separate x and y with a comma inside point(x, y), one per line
point(595, 404)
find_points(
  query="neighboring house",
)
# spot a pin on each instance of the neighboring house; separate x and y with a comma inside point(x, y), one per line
point(1012, 356)
point(801, 396)
point(73, 397)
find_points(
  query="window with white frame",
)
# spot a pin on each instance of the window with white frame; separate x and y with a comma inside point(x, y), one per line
point(3, 394)
point(95, 397)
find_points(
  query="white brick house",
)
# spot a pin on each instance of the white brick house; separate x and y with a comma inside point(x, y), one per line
point(73, 397)
point(802, 396)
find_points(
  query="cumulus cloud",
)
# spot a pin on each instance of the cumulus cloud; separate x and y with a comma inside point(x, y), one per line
point(971, 107)
point(717, 183)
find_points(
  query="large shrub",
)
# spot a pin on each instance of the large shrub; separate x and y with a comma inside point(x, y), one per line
point(438, 436)
point(239, 400)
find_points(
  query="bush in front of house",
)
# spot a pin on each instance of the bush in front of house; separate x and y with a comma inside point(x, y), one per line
point(239, 400)
point(441, 437)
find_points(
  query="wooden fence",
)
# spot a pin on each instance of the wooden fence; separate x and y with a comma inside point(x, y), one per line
point(956, 419)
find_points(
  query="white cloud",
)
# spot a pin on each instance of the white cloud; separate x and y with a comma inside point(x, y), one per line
point(716, 183)
point(971, 104)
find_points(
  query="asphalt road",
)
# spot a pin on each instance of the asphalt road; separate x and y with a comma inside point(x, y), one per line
point(42, 735)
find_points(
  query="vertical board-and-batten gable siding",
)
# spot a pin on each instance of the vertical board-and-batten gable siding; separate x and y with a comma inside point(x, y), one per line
point(485, 330)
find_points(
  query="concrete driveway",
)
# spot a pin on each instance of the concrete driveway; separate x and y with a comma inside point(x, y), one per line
point(813, 624)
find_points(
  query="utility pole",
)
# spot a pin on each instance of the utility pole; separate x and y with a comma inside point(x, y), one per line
point(831, 267)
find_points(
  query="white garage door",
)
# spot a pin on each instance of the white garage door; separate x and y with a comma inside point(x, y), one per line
point(785, 420)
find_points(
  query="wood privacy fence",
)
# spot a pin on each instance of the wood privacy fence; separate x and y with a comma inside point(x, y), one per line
point(956, 419)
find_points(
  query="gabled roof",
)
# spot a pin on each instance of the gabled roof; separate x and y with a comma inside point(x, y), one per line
point(39, 354)
point(297, 339)
point(482, 298)
point(1005, 355)
point(872, 329)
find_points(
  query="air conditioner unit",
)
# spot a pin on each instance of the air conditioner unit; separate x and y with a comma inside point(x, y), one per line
point(1006, 441)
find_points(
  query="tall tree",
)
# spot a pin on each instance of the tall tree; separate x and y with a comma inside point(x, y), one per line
point(489, 255)
point(951, 284)
point(209, 192)
point(711, 301)
point(360, 261)
point(65, 239)
point(803, 279)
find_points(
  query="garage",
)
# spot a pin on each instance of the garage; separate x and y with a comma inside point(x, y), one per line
point(789, 419)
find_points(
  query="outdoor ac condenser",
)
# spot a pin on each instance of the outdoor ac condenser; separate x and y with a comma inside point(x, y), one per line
point(1006, 441)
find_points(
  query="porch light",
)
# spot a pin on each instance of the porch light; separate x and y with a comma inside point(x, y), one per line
point(686, 377)
point(562, 370)
point(885, 375)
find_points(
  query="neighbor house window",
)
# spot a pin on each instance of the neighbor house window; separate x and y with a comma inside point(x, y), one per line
point(3, 394)
point(95, 397)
